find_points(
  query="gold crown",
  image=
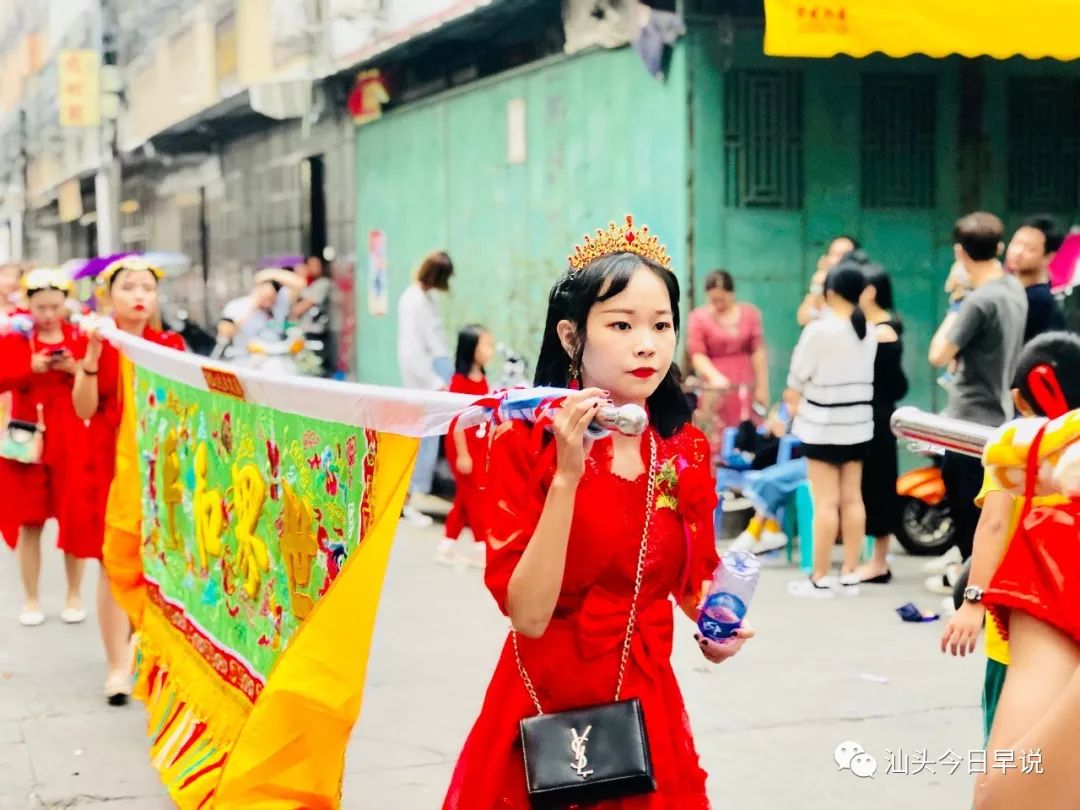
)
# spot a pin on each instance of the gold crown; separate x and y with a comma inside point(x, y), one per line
point(47, 278)
point(620, 240)
point(127, 263)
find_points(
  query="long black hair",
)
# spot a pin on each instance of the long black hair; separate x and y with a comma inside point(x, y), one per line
point(877, 278)
point(847, 281)
point(467, 341)
point(571, 299)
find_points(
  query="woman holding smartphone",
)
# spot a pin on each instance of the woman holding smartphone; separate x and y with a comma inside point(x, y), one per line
point(39, 369)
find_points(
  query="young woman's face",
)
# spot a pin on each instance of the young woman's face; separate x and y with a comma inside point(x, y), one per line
point(134, 295)
point(485, 349)
point(722, 300)
point(48, 308)
point(630, 340)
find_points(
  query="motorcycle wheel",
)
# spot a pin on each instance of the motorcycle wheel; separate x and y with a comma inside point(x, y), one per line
point(925, 530)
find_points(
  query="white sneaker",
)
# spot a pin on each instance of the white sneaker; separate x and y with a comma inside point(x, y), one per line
point(848, 584)
point(744, 542)
point(415, 518)
point(770, 541)
point(824, 588)
point(939, 564)
point(476, 556)
point(944, 583)
point(445, 552)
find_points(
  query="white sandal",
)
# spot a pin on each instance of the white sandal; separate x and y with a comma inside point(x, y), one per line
point(31, 618)
point(73, 615)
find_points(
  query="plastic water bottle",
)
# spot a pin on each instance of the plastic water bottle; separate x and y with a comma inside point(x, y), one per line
point(729, 596)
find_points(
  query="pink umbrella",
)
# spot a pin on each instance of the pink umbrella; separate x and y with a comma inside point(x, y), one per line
point(1063, 265)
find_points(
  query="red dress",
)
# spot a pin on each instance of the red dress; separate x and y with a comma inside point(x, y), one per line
point(93, 460)
point(575, 663)
point(467, 511)
point(33, 493)
point(1040, 572)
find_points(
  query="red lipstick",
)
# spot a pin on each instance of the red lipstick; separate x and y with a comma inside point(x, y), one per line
point(643, 373)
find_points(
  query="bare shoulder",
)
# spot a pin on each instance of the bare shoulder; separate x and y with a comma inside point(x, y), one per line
point(885, 333)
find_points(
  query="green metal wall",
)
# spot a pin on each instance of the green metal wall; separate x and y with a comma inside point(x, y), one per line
point(603, 139)
point(773, 253)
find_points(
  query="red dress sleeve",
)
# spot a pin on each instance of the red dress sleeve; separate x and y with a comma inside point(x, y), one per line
point(171, 340)
point(697, 507)
point(517, 488)
point(15, 371)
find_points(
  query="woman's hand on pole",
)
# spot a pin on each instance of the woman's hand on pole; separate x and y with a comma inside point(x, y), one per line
point(569, 425)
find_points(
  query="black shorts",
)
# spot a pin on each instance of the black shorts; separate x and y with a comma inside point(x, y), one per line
point(836, 454)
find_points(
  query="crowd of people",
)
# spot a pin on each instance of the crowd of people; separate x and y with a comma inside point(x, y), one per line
point(549, 512)
point(58, 450)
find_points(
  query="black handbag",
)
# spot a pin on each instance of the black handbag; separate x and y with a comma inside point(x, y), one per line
point(596, 752)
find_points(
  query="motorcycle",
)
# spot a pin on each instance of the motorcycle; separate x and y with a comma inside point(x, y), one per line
point(926, 525)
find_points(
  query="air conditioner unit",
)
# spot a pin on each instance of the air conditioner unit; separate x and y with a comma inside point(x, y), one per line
point(282, 99)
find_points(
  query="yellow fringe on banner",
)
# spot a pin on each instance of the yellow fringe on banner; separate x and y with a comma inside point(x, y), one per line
point(291, 752)
point(193, 716)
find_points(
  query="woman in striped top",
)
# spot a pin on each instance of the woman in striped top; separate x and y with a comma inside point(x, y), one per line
point(831, 389)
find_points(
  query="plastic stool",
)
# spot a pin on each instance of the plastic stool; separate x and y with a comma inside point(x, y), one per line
point(804, 528)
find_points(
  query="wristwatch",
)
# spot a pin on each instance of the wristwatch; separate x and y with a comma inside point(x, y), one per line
point(973, 594)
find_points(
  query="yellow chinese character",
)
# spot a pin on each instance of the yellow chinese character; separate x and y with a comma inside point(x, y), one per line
point(207, 508)
point(172, 493)
point(299, 548)
point(249, 493)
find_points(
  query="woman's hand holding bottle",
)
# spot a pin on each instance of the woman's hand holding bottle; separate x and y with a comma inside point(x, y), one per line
point(569, 425)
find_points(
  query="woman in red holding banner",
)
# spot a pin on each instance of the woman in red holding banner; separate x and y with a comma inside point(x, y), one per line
point(582, 533)
point(131, 285)
point(38, 368)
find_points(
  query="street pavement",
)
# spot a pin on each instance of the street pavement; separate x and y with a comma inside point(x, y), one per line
point(767, 723)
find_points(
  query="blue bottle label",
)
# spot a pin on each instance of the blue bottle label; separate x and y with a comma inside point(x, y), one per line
point(721, 616)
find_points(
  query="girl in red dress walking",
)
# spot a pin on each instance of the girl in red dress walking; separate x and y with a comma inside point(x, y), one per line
point(131, 285)
point(567, 522)
point(466, 450)
point(38, 369)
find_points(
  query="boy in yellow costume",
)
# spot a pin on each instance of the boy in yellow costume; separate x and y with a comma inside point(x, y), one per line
point(1047, 386)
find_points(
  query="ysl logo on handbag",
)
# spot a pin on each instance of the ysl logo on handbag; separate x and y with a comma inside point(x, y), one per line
point(577, 748)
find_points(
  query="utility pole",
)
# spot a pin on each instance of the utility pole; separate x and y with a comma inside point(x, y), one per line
point(107, 180)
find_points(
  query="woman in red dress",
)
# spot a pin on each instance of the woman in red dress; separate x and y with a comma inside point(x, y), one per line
point(131, 285)
point(466, 450)
point(567, 523)
point(38, 369)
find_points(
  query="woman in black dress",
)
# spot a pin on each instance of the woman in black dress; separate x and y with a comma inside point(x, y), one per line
point(890, 386)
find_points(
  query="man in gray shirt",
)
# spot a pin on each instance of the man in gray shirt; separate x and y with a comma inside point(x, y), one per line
point(984, 338)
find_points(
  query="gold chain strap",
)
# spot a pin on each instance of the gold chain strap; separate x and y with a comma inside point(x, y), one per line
point(638, 579)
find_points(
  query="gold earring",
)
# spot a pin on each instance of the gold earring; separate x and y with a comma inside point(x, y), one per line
point(575, 373)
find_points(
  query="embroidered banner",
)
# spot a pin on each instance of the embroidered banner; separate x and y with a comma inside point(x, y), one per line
point(249, 528)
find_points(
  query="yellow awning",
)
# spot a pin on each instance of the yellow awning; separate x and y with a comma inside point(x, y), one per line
point(997, 28)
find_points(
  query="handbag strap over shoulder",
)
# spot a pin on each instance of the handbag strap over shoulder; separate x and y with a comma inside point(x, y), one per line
point(631, 620)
